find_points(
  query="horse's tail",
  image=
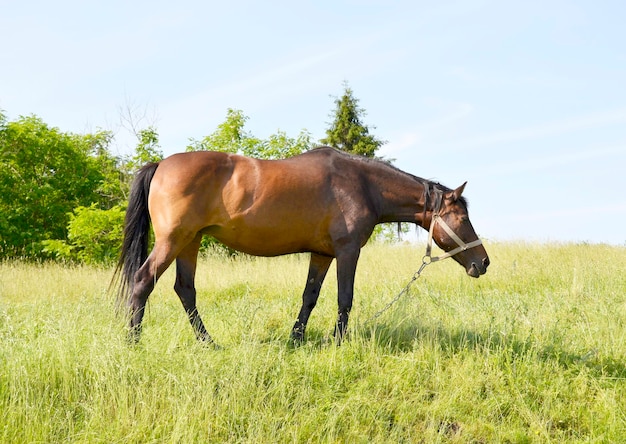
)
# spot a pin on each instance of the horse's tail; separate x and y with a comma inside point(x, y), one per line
point(136, 233)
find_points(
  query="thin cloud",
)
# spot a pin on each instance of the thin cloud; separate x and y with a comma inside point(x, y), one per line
point(594, 120)
point(538, 163)
point(213, 101)
point(273, 82)
point(616, 209)
point(401, 143)
point(428, 129)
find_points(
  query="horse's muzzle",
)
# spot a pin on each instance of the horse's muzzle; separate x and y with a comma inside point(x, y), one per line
point(476, 270)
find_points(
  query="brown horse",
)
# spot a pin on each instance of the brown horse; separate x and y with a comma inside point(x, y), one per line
point(324, 202)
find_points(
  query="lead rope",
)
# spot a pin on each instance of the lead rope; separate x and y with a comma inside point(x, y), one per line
point(425, 261)
point(428, 259)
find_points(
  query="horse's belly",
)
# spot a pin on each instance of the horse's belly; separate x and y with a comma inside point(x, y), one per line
point(270, 241)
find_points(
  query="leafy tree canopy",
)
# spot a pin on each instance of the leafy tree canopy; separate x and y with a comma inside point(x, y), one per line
point(44, 175)
point(93, 236)
point(94, 233)
point(231, 137)
point(147, 150)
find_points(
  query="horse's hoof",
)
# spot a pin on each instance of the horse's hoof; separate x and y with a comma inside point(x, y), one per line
point(295, 342)
point(297, 338)
point(133, 336)
point(208, 341)
point(215, 346)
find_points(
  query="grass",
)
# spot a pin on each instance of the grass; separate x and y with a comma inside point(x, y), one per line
point(534, 351)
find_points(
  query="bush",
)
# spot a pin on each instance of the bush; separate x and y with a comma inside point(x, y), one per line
point(94, 236)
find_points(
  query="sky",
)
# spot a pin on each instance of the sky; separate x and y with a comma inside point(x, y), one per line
point(524, 100)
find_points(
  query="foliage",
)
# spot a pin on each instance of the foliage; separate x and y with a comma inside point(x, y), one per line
point(347, 131)
point(280, 146)
point(112, 189)
point(94, 236)
point(59, 191)
point(148, 150)
point(44, 175)
point(231, 137)
point(532, 352)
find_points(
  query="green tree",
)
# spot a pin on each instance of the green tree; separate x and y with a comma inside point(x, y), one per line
point(94, 235)
point(148, 150)
point(113, 188)
point(231, 137)
point(347, 131)
point(44, 175)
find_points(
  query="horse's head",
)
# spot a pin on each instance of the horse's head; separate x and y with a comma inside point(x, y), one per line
point(452, 231)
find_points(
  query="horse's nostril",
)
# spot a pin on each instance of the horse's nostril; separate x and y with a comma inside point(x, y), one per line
point(486, 262)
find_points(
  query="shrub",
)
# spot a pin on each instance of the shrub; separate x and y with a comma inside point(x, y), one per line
point(94, 236)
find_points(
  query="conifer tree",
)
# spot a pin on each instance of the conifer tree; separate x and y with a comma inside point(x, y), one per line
point(347, 131)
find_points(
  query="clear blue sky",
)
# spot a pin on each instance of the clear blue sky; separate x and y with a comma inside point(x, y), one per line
point(525, 100)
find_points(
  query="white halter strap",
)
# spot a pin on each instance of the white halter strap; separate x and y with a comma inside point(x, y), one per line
point(437, 219)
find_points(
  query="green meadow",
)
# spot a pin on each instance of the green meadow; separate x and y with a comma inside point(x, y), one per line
point(532, 352)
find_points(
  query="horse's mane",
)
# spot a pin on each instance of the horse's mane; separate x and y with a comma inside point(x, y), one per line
point(385, 164)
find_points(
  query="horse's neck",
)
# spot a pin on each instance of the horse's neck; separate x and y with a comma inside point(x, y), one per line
point(402, 197)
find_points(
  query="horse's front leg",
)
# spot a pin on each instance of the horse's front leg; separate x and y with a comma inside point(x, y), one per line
point(346, 269)
point(318, 267)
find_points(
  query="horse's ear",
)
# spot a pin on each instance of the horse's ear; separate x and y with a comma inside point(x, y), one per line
point(456, 194)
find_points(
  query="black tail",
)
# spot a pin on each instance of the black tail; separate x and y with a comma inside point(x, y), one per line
point(136, 233)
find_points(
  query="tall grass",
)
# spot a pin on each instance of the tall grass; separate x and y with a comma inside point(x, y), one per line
point(534, 351)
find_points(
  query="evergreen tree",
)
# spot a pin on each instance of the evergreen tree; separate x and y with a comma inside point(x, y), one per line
point(348, 132)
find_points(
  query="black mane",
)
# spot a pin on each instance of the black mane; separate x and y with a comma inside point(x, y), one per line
point(430, 184)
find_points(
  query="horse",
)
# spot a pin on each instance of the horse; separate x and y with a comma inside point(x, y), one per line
point(324, 202)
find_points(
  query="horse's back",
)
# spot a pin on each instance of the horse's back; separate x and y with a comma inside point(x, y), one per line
point(257, 206)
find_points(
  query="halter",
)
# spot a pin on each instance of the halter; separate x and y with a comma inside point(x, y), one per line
point(437, 219)
point(427, 259)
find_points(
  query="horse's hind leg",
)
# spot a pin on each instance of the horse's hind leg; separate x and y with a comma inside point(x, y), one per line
point(185, 287)
point(318, 268)
point(144, 281)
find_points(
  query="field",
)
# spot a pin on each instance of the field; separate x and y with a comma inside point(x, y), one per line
point(534, 351)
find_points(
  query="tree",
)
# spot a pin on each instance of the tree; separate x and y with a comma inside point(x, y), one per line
point(94, 233)
point(44, 175)
point(112, 189)
point(347, 131)
point(231, 137)
point(147, 150)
